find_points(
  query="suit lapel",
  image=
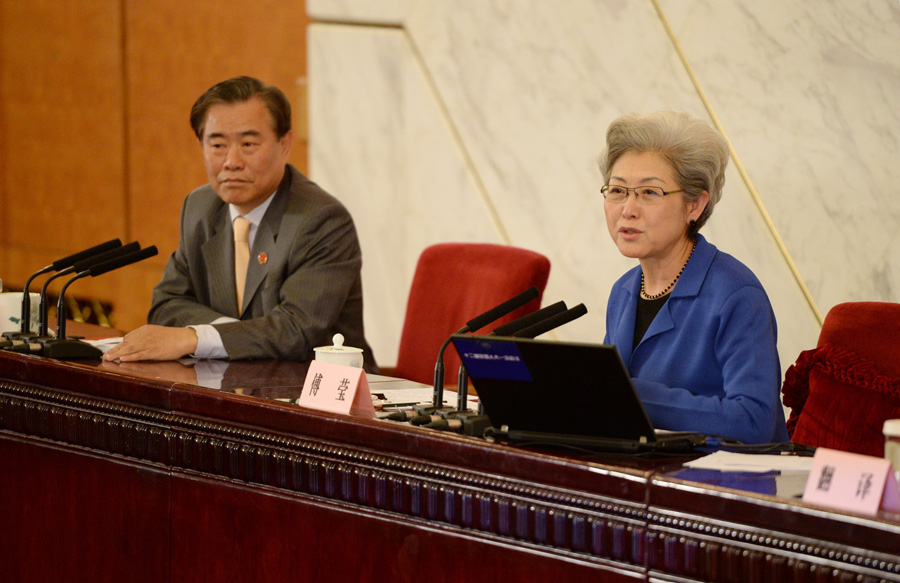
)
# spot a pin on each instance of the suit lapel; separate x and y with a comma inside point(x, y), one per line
point(264, 246)
point(218, 256)
point(661, 323)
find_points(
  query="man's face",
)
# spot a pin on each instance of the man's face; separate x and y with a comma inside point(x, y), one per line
point(244, 158)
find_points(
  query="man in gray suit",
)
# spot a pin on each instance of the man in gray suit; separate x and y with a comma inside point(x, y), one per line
point(303, 278)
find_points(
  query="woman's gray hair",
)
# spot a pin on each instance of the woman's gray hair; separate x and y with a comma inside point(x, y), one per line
point(697, 153)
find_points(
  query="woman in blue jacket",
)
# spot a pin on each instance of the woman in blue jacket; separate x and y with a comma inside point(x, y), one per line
point(692, 324)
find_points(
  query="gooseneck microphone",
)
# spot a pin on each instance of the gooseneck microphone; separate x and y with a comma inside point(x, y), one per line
point(63, 347)
point(501, 310)
point(57, 265)
point(474, 324)
point(527, 320)
point(78, 267)
point(507, 329)
point(552, 322)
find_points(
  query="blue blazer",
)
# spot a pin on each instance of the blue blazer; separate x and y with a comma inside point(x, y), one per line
point(708, 361)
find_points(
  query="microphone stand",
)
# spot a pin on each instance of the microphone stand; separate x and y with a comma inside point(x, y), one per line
point(504, 330)
point(473, 325)
point(78, 267)
point(57, 265)
point(63, 347)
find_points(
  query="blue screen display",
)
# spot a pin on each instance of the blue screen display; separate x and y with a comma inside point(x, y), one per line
point(493, 360)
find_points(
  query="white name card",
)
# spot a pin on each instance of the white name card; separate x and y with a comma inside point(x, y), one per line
point(338, 389)
point(854, 482)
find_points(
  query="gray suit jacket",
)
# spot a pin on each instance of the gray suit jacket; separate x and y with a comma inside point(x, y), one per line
point(306, 289)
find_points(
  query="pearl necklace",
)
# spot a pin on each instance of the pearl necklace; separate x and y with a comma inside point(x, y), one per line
point(669, 287)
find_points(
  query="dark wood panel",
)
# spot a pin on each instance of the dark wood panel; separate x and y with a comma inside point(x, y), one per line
point(317, 540)
point(713, 532)
point(256, 483)
point(73, 516)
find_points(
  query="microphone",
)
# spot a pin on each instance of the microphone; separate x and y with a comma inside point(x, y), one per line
point(505, 330)
point(474, 324)
point(529, 319)
point(503, 309)
point(405, 415)
point(423, 419)
point(57, 265)
point(552, 322)
point(63, 347)
point(445, 425)
point(78, 267)
point(465, 422)
point(118, 262)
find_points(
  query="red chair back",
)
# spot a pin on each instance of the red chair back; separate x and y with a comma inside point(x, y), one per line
point(842, 391)
point(453, 283)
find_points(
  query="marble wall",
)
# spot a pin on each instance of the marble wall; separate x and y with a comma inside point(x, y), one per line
point(482, 120)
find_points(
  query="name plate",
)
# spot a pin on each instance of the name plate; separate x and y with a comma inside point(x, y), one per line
point(338, 389)
point(854, 482)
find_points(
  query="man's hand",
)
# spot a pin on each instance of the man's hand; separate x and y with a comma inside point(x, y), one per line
point(154, 343)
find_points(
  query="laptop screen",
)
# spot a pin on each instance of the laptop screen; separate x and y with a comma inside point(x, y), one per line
point(554, 387)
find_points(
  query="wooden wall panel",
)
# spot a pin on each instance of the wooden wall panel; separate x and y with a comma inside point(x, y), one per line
point(95, 97)
point(62, 104)
point(175, 51)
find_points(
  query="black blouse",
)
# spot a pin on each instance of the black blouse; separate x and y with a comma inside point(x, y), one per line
point(646, 311)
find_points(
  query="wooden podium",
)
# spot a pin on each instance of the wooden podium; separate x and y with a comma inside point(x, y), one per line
point(115, 473)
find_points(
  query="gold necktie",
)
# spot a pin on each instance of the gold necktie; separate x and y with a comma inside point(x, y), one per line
point(241, 257)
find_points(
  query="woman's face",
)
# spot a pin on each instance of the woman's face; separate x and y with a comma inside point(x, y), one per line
point(644, 231)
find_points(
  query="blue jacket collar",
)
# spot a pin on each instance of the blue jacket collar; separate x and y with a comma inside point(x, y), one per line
point(688, 285)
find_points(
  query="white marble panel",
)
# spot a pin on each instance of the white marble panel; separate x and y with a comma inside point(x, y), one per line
point(381, 12)
point(503, 104)
point(532, 86)
point(380, 143)
point(809, 94)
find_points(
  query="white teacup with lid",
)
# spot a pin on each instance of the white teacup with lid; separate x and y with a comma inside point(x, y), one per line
point(340, 354)
point(11, 311)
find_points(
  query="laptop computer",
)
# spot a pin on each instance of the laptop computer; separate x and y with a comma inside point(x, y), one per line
point(562, 393)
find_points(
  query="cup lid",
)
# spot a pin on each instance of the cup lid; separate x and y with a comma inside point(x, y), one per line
point(892, 427)
point(338, 340)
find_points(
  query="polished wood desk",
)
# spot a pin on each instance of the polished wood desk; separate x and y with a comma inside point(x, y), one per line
point(117, 473)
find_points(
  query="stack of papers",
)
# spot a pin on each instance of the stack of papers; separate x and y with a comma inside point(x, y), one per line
point(727, 461)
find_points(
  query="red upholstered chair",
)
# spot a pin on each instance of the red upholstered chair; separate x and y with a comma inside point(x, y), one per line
point(842, 391)
point(453, 283)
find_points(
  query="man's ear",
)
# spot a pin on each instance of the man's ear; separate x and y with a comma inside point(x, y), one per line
point(286, 142)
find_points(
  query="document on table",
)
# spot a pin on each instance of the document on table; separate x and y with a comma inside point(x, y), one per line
point(728, 461)
point(103, 344)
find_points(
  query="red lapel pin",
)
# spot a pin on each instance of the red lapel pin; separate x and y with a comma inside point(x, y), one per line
point(263, 258)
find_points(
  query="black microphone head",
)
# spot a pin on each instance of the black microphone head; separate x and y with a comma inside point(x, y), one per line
point(81, 255)
point(552, 322)
point(405, 415)
point(122, 261)
point(530, 319)
point(506, 307)
point(423, 419)
point(84, 264)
